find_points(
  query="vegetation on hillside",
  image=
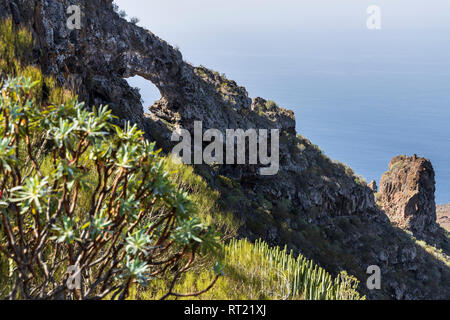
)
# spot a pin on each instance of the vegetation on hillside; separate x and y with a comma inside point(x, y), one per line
point(79, 191)
point(256, 271)
point(75, 190)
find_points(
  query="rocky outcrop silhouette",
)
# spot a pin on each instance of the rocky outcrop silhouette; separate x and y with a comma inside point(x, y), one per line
point(315, 206)
point(373, 186)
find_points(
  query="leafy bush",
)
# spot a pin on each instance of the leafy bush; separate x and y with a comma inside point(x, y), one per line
point(79, 191)
point(206, 199)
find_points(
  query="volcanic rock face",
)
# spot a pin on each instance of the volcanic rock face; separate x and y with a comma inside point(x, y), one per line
point(407, 194)
point(315, 206)
point(96, 59)
point(373, 186)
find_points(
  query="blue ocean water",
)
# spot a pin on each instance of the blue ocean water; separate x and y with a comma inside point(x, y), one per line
point(362, 97)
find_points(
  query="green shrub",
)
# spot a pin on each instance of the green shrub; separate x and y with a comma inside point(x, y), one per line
point(232, 195)
point(206, 199)
point(283, 208)
point(79, 191)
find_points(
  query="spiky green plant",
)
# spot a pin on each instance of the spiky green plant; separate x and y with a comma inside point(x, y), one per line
point(135, 224)
point(302, 277)
point(256, 271)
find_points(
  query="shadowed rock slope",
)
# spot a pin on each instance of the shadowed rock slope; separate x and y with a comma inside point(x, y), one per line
point(315, 206)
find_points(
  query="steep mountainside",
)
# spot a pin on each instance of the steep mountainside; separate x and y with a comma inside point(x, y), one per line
point(315, 206)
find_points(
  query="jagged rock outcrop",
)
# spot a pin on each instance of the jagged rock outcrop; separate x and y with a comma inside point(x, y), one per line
point(314, 205)
point(407, 194)
point(373, 186)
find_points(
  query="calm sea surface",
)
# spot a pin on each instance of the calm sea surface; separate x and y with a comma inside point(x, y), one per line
point(363, 98)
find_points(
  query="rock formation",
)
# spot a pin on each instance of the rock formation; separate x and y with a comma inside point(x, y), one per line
point(407, 194)
point(373, 186)
point(315, 206)
point(443, 216)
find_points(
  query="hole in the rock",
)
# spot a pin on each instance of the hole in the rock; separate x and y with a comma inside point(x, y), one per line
point(149, 92)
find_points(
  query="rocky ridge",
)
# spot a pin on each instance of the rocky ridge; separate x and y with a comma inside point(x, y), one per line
point(314, 205)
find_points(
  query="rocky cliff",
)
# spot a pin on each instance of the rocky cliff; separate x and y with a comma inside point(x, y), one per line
point(314, 205)
point(407, 194)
